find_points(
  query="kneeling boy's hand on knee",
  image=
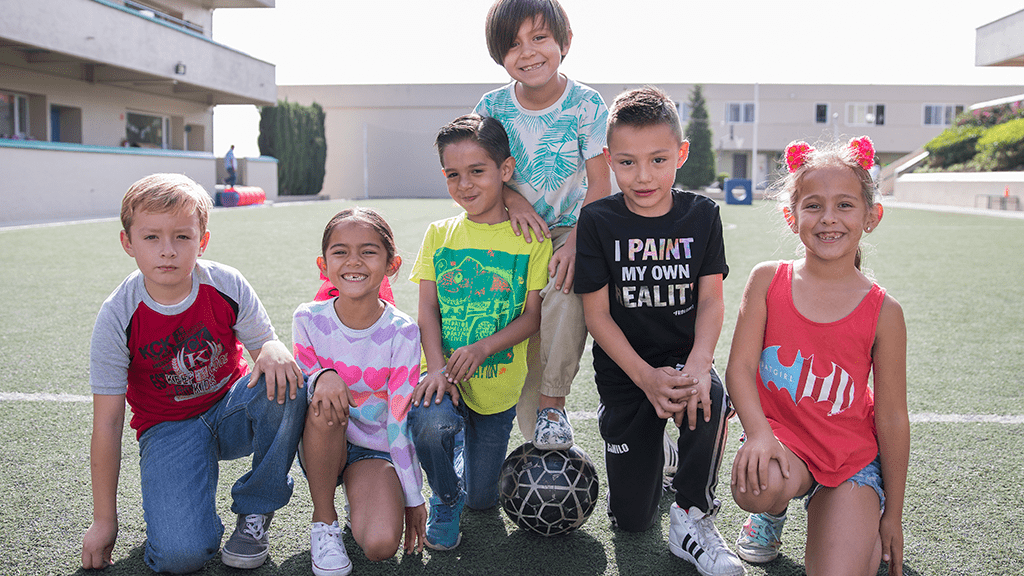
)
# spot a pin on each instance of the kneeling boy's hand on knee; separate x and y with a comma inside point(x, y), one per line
point(276, 364)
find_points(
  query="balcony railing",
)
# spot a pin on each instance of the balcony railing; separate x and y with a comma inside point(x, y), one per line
point(153, 13)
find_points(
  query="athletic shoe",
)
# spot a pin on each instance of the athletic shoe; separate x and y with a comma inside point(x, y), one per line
point(552, 434)
point(693, 537)
point(328, 551)
point(443, 523)
point(249, 545)
point(760, 538)
point(671, 448)
point(608, 509)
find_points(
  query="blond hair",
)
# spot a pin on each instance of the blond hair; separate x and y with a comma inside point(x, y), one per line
point(163, 193)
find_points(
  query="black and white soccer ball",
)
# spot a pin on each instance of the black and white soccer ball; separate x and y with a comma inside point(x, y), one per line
point(548, 491)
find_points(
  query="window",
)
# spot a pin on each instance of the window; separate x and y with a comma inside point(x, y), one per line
point(13, 116)
point(861, 114)
point(683, 108)
point(146, 130)
point(821, 113)
point(739, 112)
point(941, 114)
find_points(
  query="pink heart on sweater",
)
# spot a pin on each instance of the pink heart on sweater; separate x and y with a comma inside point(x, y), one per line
point(398, 377)
point(376, 379)
point(349, 374)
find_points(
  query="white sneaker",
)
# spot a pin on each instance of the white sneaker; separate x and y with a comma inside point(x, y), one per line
point(328, 551)
point(693, 537)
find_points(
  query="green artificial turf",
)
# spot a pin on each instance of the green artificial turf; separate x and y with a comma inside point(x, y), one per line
point(958, 277)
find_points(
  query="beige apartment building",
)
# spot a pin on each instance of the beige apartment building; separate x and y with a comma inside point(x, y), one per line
point(95, 94)
point(380, 137)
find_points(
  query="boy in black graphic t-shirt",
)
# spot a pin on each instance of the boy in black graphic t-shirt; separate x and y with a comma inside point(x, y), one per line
point(650, 265)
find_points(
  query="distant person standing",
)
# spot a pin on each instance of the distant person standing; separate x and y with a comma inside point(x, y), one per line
point(231, 165)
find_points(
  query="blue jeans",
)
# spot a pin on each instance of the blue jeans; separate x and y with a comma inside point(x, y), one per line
point(179, 462)
point(433, 431)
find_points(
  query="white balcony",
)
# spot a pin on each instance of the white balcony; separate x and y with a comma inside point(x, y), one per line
point(107, 42)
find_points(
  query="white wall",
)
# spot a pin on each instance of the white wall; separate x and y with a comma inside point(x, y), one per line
point(43, 183)
point(966, 190)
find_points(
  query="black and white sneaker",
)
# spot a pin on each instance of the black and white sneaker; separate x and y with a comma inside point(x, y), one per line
point(671, 449)
point(693, 537)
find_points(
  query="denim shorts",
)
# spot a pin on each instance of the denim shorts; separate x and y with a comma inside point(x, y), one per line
point(870, 475)
point(355, 453)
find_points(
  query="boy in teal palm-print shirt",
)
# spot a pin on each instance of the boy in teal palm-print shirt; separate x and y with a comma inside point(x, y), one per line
point(556, 129)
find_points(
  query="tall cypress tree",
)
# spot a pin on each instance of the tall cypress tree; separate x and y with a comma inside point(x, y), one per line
point(699, 169)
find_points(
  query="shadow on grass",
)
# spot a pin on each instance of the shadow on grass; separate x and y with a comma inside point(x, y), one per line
point(517, 551)
point(645, 553)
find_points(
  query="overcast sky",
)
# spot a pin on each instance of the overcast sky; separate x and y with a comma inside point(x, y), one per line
point(615, 41)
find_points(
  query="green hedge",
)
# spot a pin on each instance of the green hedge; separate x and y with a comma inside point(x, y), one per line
point(1003, 146)
point(955, 145)
point(294, 134)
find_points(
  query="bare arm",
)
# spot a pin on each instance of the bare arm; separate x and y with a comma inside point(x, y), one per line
point(465, 361)
point(523, 217)
point(435, 384)
point(665, 387)
point(562, 266)
point(276, 363)
point(105, 468)
point(707, 329)
point(893, 425)
point(750, 467)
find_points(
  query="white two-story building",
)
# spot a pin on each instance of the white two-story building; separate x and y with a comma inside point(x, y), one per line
point(95, 94)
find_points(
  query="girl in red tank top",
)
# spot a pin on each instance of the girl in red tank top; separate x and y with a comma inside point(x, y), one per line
point(809, 335)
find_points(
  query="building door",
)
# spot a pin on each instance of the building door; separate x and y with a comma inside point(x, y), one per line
point(54, 124)
point(739, 165)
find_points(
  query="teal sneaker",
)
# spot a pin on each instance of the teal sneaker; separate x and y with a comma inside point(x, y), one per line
point(443, 523)
point(760, 538)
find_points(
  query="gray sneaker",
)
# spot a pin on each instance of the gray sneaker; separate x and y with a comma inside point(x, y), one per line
point(249, 545)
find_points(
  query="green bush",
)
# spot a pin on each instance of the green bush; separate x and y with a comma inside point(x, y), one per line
point(721, 178)
point(294, 134)
point(955, 145)
point(1003, 146)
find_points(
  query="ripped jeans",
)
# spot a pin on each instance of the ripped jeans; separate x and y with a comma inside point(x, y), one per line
point(434, 428)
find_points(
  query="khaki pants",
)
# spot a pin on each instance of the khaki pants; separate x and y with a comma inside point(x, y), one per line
point(553, 354)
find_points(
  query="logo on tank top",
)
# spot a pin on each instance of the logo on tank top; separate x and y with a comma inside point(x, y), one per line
point(801, 382)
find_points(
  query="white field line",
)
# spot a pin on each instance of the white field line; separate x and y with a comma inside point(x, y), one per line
point(914, 418)
point(588, 415)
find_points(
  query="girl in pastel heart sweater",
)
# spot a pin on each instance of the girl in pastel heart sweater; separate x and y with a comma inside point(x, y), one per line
point(362, 357)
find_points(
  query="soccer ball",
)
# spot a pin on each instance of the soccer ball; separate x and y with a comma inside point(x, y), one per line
point(548, 491)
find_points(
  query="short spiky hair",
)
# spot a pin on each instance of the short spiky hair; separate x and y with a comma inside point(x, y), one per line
point(641, 107)
point(487, 132)
point(506, 16)
point(164, 193)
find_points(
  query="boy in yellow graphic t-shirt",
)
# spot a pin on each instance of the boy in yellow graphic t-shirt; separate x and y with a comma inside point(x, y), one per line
point(479, 304)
